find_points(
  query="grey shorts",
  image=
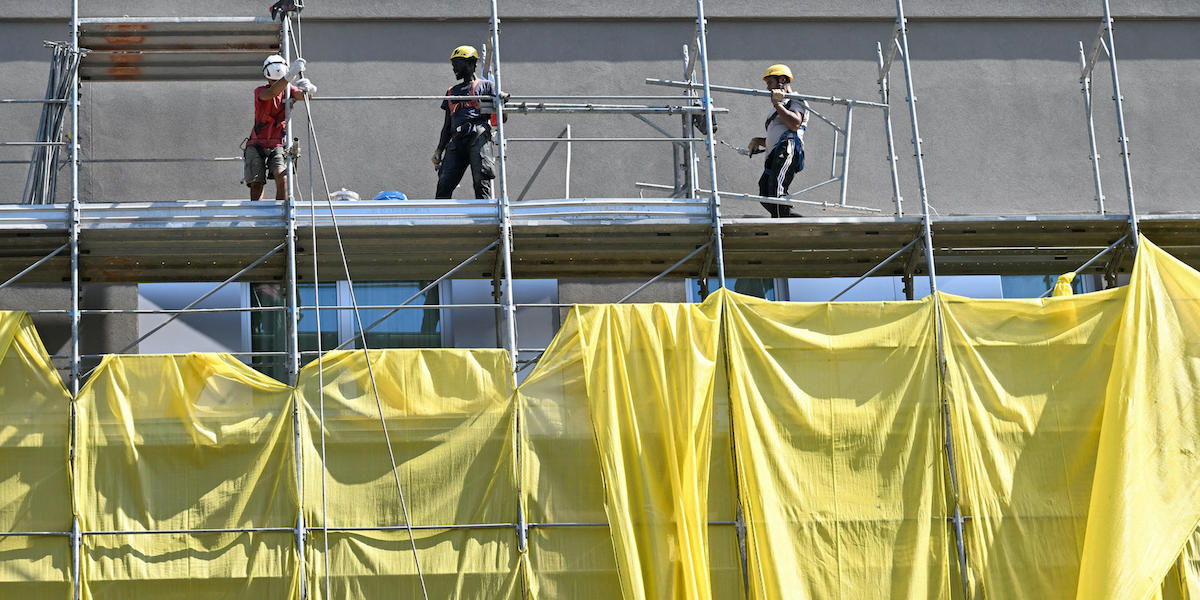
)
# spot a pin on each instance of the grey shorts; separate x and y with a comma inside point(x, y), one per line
point(258, 163)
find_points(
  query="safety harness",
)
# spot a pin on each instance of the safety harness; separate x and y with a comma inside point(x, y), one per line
point(454, 106)
point(794, 135)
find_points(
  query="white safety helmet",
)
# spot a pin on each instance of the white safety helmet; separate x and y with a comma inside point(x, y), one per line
point(275, 67)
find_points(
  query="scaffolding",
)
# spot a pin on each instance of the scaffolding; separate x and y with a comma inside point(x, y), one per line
point(683, 235)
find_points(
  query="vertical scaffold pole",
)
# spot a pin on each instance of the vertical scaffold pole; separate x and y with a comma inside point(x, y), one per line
point(567, 169)
point(1086, 83)
point(76, 538)
point(939, 329)
point(1112, 65)
point(502, 205)
point(845, 176)
point(74, 225)
point(687, 162)
point(885, 97)
point(710, 144)
point(293, 312)
point(508, 303)
point(926, 230)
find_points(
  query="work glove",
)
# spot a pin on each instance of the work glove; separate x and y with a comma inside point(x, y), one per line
point(777, 96)
point(306, 86)
point(437, 159)
point(504, 96)
point(296, 70)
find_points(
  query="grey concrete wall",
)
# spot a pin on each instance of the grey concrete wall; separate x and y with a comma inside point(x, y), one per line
point(571, 9)
point(997, 82)
point(999, 102)
point(99, 334)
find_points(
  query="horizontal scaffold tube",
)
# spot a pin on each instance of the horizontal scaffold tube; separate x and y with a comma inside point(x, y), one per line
point(549, 107)
point(753, 92)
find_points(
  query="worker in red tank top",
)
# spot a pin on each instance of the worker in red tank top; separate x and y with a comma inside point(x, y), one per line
point(265, 153)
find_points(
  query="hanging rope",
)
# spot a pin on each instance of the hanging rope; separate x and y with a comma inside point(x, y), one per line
point(363, 338)
point(312, 212)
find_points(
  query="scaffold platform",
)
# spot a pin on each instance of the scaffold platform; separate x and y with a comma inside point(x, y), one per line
point(576, 238)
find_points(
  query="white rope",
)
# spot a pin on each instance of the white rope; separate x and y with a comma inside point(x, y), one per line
point(312, 211)
point(366, 355)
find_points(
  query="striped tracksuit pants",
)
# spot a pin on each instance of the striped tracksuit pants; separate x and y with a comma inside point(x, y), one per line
point(782, 164)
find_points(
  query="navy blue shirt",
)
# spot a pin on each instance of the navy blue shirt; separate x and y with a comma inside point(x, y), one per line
point(467, 111)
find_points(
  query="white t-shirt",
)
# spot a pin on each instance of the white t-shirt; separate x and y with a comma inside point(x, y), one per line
point(776, 128)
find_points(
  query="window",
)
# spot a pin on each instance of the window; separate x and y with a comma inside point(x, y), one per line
point(765, 288)
point(406, 328)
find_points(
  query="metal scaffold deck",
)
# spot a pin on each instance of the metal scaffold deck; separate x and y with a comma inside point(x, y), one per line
point(578, 238)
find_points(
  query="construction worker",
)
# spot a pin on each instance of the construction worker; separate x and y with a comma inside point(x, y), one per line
point(784, 141)
point(466, 131)
point(264, 151)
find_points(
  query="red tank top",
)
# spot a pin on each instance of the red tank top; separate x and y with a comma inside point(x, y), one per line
point(270, 118)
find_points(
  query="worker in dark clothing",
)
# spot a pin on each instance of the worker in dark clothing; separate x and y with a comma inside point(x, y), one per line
point(784, 141)
point(466, 131)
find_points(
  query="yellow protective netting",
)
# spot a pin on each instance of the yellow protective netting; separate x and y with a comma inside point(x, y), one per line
point(1144, 505)
point(184, 442)
point(649, 372)
point(570, 552)
point(450, 422)
point(1183, 580)
point(837, 436)
point(1026, 383)
point(639, 386)
point(35, 492)
point(1073, 420)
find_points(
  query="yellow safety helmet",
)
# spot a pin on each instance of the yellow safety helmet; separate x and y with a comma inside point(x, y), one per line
point(465, 52)
point(778, 71)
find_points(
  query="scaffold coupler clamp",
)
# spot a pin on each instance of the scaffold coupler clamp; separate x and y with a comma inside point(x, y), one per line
point(242, 147)
point(293, 149)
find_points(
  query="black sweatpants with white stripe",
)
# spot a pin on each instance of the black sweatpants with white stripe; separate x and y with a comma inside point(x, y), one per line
point(782, 164)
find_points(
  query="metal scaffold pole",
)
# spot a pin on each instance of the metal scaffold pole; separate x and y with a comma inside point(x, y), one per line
point(1124, 138)
point(74, 225)
point(710, 144)
point(885, 98)
point(76, 538)
point(508, 302)
point(956, 519)
point(926, 229)
point(293, 302)
point(501, 197)
point(1085, 82)
point(293, 314)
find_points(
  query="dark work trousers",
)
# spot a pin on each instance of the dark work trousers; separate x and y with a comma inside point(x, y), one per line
point(468, 148)
point(782, 164)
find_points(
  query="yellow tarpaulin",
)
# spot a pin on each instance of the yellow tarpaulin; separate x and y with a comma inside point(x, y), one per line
point(571, 549)
point(1145, 500)
point(35, 493)
point(185, 442)
point(1026, 381)
point(1074, 423)
point(570, 552)
point(837, 436)
point(649, 372)
point(449, 416)
point(1183, 580)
